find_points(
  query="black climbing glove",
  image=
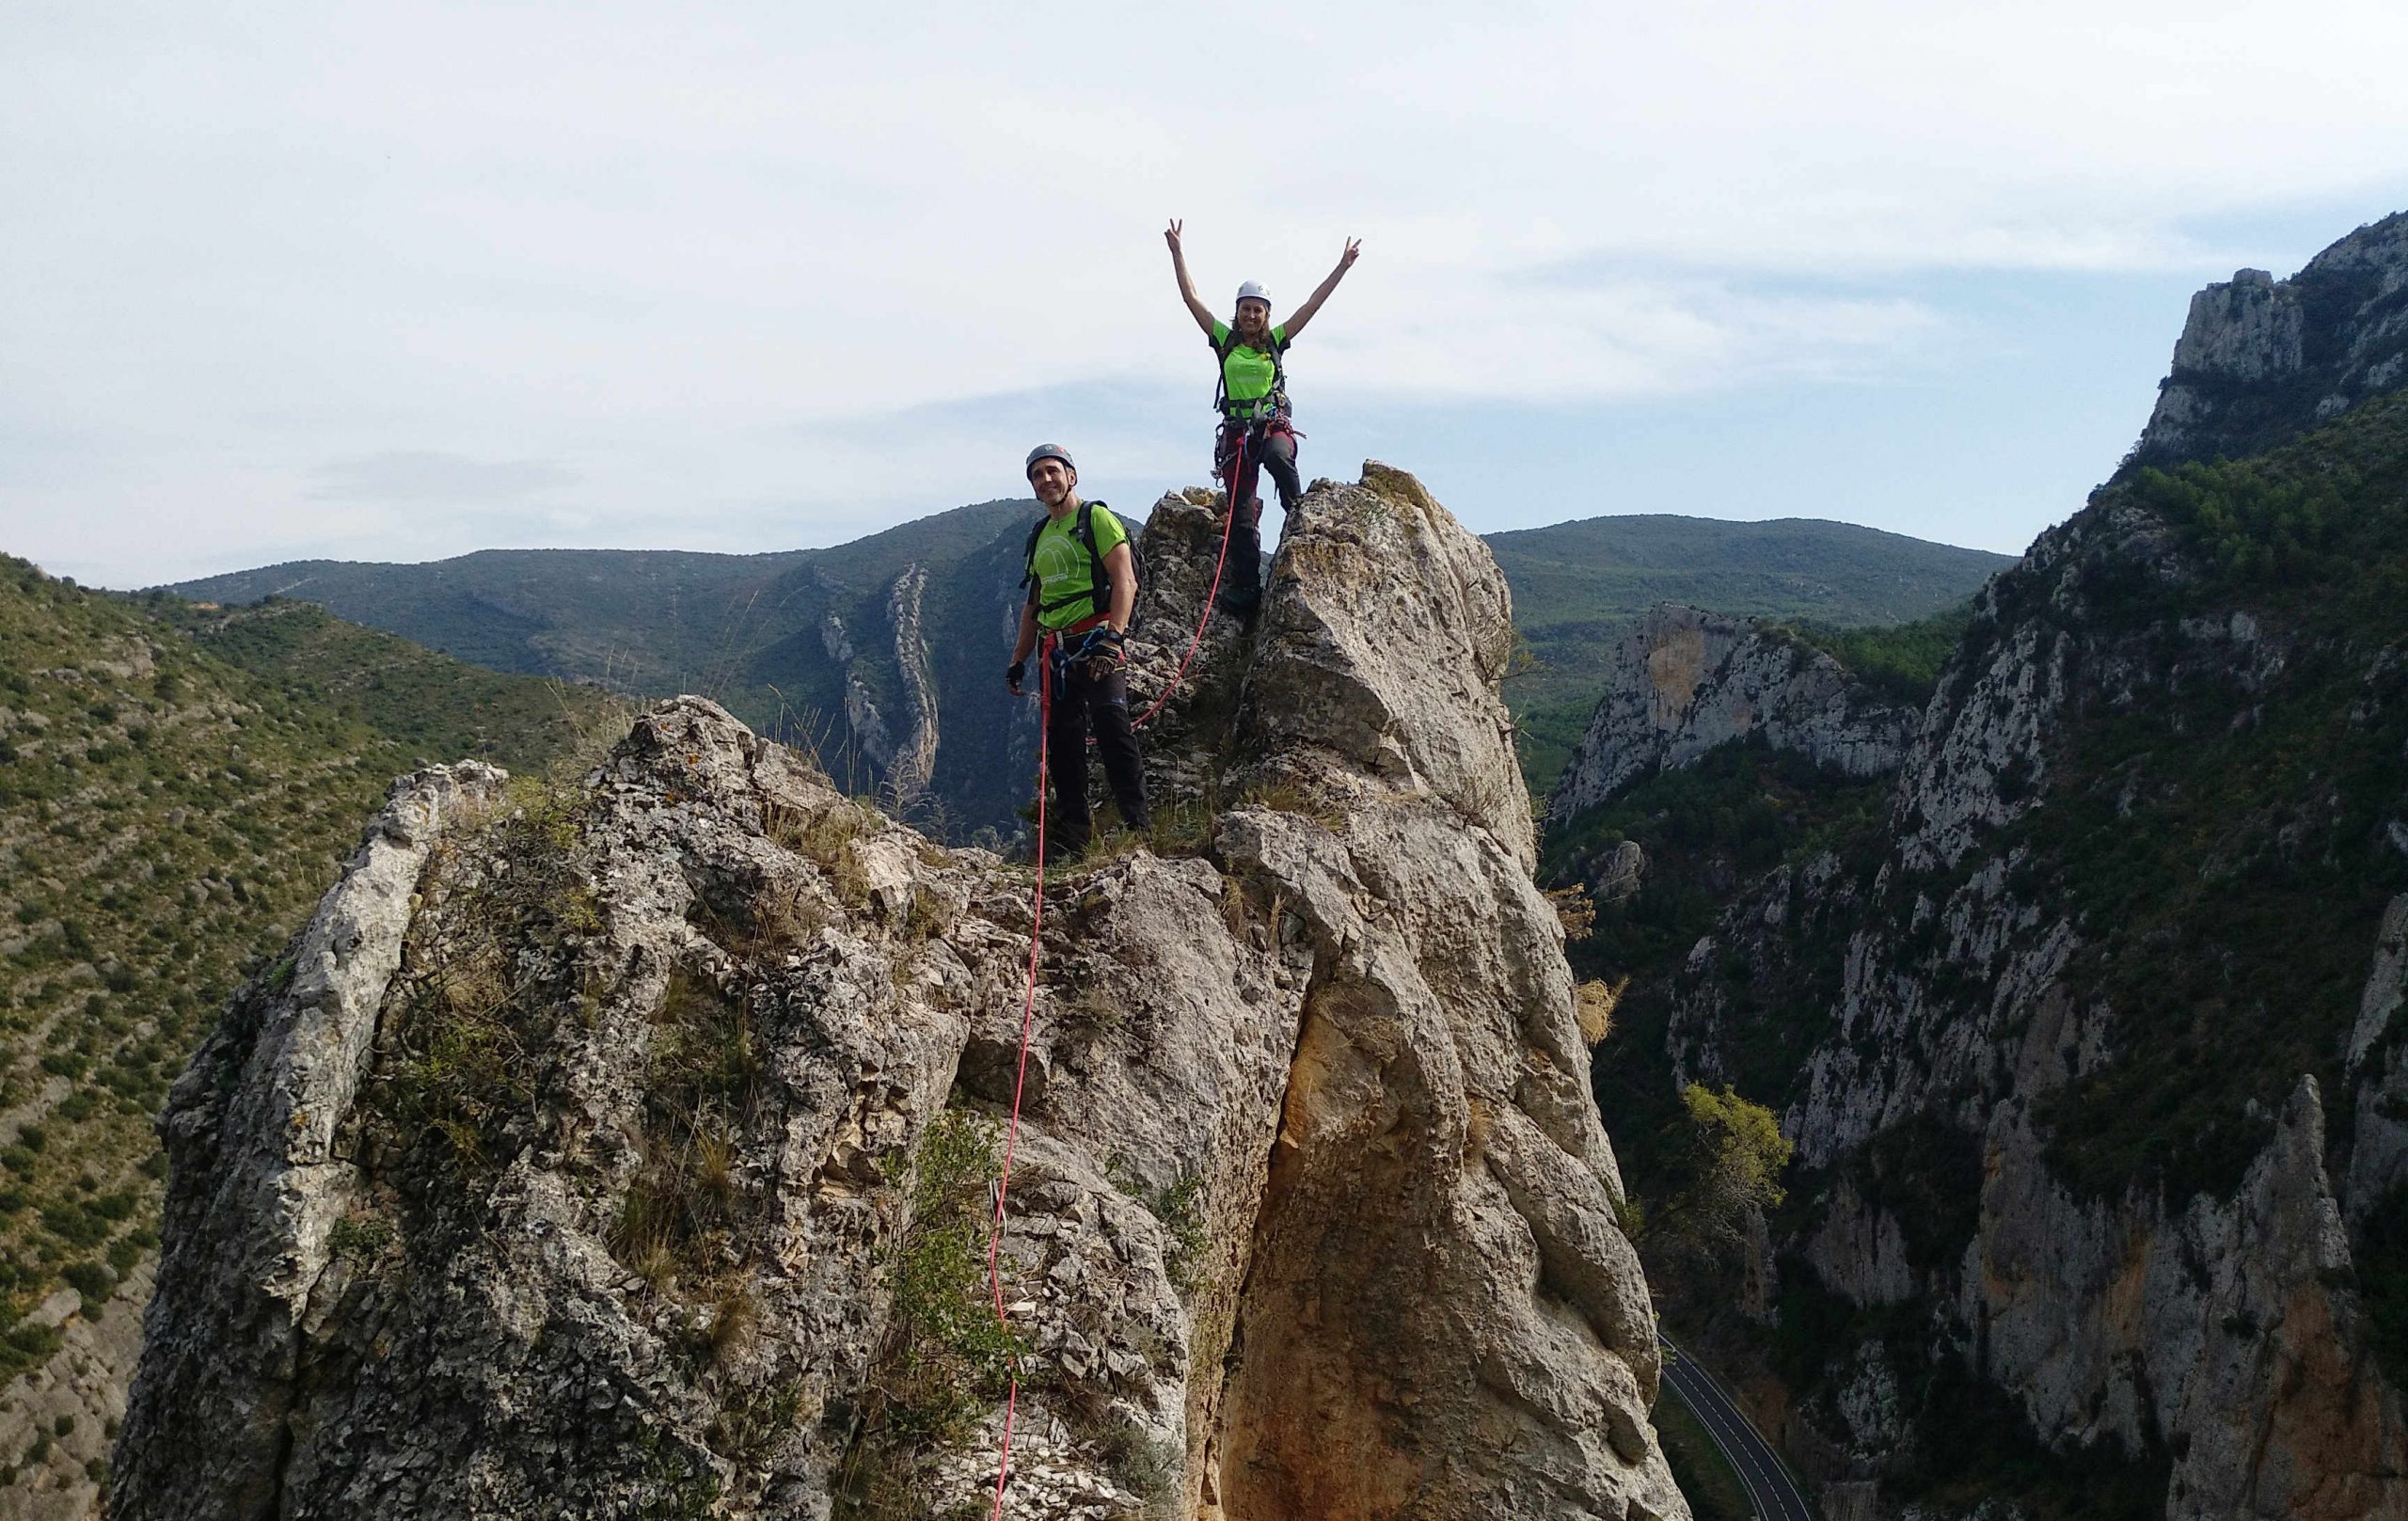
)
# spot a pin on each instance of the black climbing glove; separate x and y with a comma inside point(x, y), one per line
point(1014, 674)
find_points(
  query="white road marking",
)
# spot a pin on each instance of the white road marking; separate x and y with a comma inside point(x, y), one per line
point(1750, 1456)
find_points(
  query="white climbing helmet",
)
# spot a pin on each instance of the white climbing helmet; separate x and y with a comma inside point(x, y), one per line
point(1253, 290)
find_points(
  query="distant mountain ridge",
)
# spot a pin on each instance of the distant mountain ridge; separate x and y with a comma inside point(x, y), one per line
point(647, 620)
point(857, 648)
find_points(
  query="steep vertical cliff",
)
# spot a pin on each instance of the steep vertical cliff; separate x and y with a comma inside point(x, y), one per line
point(621, 1148)
point(2089, 1044)
point(1683, 682)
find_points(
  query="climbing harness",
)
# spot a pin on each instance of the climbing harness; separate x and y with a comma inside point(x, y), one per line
point(1020, 1079)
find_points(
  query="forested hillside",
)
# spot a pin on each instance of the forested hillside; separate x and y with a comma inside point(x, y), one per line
point(176, 786)
point(2098, 988)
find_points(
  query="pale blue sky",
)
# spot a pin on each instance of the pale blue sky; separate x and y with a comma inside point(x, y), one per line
point(402, 282)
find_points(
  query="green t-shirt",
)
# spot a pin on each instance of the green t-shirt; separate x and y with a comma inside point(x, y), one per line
point(1246, 373)
point(1063, 574)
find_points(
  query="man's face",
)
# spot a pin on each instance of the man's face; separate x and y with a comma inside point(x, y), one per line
point(1052, 480)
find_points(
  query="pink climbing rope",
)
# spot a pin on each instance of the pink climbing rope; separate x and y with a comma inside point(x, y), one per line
point(1020, 1082)
point(1035, 938)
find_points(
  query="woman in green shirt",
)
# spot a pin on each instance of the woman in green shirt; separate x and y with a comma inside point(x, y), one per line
point(1253, 402)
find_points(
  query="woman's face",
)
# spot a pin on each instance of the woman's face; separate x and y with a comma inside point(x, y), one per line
point(1254, 318)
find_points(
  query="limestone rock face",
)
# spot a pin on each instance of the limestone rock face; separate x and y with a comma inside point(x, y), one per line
point(592, 1163)
point(909, 769)
point(2261, 359)
point(905, 762)
point(1945, 991)
point(1436, 1138)
point(1684, 682)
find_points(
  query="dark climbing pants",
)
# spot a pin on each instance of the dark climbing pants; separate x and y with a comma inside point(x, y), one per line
point(1269, 446)
point(1081, 706)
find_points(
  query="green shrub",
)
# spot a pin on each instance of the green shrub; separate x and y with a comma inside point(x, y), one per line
point(946, 1358)
point(72, 1224)
point(360, 1235)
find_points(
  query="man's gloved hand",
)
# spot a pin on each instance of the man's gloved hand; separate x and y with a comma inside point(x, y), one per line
point(1014, 674)
point(1103, 654)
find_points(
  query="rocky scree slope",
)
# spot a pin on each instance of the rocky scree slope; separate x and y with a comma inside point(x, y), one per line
point(2090, 1049)
point(621, 1148)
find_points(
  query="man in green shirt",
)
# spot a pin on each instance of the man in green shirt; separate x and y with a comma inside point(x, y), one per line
point(1082, 586)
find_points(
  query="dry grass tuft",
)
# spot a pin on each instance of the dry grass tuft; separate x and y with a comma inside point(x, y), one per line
point(1595, 1003)
point(1575, 909)
point(1287, 797)
point(735, 1315)
point(1477, 1124)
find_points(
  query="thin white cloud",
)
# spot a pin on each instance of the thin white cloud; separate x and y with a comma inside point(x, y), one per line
point(653, 251)
point(415, 475)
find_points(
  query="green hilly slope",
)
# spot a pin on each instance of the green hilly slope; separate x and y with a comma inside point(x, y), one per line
point(177, 787)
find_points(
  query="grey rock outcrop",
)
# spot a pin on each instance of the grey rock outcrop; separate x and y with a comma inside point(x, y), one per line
point(1684, 682)
point(2261, 359)
point(914, 760)
point(595, 1178)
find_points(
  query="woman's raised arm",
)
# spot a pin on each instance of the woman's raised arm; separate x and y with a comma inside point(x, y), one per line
point(1312, 303)
point(1196, 309)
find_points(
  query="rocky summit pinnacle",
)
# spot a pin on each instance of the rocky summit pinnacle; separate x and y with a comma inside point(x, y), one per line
point(2261, 360)
point(623, 1146)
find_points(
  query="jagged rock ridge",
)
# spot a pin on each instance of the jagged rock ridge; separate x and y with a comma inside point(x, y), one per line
point(584, 1165)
